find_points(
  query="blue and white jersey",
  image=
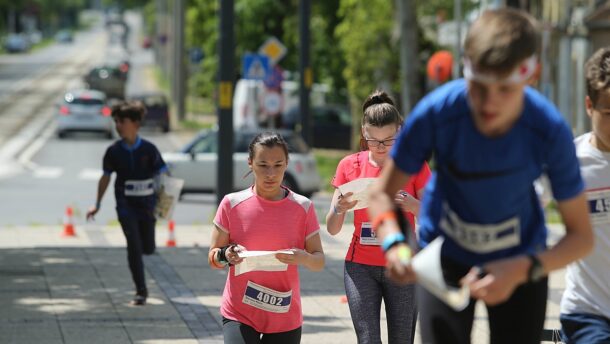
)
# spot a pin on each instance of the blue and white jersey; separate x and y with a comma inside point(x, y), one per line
point(136, 167)
point(481, 197)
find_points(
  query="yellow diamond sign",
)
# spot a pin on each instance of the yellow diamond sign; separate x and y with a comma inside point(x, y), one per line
point(274, 49)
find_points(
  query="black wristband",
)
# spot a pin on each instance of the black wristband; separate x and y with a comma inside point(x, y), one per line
point(222, 255)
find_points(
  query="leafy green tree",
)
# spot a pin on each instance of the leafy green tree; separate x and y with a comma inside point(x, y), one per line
point(257, 20)
point(365, 38)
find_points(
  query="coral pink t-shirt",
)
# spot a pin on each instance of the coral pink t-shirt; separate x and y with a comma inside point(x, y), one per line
point(268, 301)
point(357, 166)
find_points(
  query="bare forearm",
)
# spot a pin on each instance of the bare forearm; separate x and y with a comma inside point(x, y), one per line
point(334, 222)
point(315, 261)
point(578, 240)
point(102, 185)
point(569, 249)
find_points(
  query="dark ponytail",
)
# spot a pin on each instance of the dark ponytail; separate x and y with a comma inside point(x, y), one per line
point(378, 111)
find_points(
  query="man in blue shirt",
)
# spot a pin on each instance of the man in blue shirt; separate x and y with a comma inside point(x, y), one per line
point(491, 136)
point(136, 163)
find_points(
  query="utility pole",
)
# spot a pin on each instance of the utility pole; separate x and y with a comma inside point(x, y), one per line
point(226, 47)
point(409, 51)
point(306, 79)
point(179, 75)
point(565, 68)
point(457, 18)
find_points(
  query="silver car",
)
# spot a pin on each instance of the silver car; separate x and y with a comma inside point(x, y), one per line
point(196, 163)
point(84, 110)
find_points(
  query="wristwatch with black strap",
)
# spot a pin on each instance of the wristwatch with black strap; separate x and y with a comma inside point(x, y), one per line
point(536, 270)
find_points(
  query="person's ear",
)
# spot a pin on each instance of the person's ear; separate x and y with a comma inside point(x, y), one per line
point(589, 106)
point(533, 80)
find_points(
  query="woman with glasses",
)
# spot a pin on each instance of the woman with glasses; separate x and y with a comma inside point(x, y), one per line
point(365, 282)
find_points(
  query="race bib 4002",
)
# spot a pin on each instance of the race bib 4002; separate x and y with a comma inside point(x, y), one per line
point(267, 299)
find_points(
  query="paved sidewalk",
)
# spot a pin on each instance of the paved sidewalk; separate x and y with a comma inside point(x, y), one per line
point(77, 290)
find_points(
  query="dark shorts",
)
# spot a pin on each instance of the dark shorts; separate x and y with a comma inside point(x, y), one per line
point(235, 332)
point(585, 329)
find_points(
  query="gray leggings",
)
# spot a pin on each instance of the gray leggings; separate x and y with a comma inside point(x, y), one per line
point(365, 286)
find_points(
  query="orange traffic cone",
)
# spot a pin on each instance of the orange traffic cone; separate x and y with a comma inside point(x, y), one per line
point(171, 240)
point(68, 224)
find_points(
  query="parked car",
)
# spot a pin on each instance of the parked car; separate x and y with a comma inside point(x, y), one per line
point(84, 110)
point(331, 125)
point(16, 43)
point(64, 36)
point(157, 109)
point(108, 79)
point(196, 163)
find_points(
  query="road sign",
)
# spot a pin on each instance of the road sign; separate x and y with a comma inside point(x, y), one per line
point(255, 67)
point(272, 103)
point(274, 49)
point(275, 78)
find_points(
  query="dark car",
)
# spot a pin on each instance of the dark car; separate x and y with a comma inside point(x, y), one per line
point(157, 110)
point(331, 125)
point(108, 79)
point(16, 43)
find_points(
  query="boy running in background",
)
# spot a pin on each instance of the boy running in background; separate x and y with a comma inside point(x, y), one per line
point(136, 162)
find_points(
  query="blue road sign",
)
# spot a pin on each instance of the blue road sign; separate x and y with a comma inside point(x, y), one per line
point(275, 78)
point(255, 67)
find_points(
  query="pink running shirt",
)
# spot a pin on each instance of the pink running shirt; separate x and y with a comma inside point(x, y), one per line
point(270, 302)
point(357, 166)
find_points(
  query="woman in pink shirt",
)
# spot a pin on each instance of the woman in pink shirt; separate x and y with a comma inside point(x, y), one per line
point(365, 282)
point(265, 306)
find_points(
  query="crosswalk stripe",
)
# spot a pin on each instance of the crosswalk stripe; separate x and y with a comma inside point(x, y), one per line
point(48, 172)
point(90, 174)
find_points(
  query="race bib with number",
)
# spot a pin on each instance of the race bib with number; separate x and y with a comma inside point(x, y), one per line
point(599, 206)
point(481, 238)
point(139, 187)
point(267, 299)
point(368, 235)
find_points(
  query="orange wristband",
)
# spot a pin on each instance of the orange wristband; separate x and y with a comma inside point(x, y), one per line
point(212, 258)
point(379, 219)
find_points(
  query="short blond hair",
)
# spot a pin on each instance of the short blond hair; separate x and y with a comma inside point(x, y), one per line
point(500, 39)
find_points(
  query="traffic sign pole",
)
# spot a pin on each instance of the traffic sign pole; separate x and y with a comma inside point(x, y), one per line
point(304, 69)
point(224, 172)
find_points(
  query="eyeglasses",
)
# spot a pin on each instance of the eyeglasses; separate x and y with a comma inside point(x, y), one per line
point(376, 143)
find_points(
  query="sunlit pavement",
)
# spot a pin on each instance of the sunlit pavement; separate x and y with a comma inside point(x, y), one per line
point(56, 289)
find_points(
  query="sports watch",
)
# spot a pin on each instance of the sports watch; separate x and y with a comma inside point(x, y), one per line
point(536, 270)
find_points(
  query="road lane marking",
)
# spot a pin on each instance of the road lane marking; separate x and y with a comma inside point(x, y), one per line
point(90, 174)
point(48, 172)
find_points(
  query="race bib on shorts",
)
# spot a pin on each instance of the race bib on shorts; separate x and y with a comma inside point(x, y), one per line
point(267, 299)
point(139, 188)
point(481, 238)
point(599, 206)
point(368, 235)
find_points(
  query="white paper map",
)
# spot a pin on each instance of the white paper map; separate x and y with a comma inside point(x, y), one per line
point(360, 189)
point(427, 266)
point(260, 261)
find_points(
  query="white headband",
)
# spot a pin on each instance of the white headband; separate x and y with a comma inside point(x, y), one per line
point(521, 73)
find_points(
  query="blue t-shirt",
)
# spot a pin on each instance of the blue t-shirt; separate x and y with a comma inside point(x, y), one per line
point(481, 197)
point(136, 167)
